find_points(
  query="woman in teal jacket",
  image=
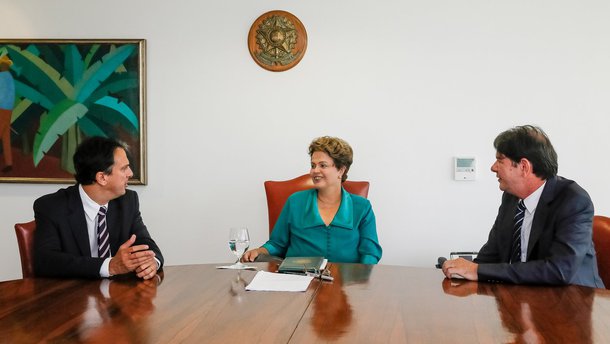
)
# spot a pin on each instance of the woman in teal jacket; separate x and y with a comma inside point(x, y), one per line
point(325, 221)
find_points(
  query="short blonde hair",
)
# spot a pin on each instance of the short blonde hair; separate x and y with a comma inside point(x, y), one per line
point(339, 150)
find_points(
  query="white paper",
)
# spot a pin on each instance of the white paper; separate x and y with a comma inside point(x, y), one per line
point(270, 281)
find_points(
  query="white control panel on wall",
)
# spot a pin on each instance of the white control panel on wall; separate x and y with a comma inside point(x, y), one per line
point(464, 168)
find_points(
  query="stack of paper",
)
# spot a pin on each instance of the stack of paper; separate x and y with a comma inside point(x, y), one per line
point(269, 281)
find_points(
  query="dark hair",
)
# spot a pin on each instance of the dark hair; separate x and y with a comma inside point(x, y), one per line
point(93, 155)
point(531, 143)
point(339, 150)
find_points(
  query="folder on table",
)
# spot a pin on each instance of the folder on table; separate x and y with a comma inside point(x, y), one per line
point(302, 265)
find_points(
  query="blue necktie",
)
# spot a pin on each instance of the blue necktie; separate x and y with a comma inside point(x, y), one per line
point(516, 246)
point(103, 246)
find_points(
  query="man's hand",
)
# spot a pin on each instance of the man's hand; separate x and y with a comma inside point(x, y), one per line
point(128, 258)
point(461, 268)
point(148, 269)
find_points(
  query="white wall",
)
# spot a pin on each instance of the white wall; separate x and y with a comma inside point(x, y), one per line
point(409, 83)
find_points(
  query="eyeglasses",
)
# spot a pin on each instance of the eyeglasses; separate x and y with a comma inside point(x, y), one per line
point(317, 273)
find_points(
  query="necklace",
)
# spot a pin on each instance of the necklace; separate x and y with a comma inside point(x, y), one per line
point(326, 204)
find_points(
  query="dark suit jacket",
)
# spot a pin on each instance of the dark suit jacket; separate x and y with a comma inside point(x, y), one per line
point(560, 248)
point(61, 241)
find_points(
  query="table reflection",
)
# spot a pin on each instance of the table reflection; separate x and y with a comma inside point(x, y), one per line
point(535, 314)
point(51, 310)
point(116, 310)
point(332, 312)
point(238, 286)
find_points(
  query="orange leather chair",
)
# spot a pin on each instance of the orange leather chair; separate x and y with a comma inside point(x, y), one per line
point(278, 192)
point(25, 239)
point(601, 240)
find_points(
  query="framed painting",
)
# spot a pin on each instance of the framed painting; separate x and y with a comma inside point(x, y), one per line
point(54, 93)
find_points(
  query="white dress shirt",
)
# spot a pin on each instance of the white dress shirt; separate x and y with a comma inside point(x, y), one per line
point(531, 202)
point(91, 209)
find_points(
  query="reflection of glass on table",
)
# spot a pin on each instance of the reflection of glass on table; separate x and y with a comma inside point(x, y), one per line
point(238, 285)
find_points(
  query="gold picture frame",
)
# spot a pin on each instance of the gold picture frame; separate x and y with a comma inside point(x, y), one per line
point(65, 90)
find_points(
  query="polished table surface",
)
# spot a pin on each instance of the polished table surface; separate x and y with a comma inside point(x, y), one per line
point(364, 304)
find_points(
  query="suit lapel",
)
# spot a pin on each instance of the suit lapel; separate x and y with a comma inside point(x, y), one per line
point(78, 224)
point(114, 225)
point(541, 214)
point(509, 223)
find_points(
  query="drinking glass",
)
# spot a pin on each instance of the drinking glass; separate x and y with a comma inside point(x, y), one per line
point(239, 241)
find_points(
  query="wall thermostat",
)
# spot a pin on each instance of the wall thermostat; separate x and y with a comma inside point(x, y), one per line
point(464, 168)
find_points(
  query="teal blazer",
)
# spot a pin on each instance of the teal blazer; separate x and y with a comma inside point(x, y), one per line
point(351, 237)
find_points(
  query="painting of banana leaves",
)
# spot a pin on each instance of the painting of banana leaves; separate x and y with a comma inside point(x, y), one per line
point(56, 93)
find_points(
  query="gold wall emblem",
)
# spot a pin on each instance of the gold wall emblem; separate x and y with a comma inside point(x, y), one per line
point(277, 41)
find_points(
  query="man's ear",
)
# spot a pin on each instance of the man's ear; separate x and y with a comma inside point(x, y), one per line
point(101, 178)
point(526, 166)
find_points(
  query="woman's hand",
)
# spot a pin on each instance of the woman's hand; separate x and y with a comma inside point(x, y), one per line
point(251, 255)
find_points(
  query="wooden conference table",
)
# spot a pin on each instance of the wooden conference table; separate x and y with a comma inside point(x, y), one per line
point(364, 304)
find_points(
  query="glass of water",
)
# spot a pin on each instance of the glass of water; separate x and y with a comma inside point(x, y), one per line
point(239, 241)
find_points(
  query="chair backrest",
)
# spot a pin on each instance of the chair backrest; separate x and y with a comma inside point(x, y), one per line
point(601, 240)
point(279, 191)
point(25, 239)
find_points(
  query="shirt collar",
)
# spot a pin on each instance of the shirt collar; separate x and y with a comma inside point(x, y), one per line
point(531, 201)
point(90, 207)
point(343, 218)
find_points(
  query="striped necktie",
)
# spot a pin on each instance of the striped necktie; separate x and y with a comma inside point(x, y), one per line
point(516, 246)
point(103, 246)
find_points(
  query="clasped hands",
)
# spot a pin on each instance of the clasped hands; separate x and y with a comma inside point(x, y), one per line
point(136, 258)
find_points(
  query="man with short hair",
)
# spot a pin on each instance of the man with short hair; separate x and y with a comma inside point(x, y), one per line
point(94, 228)
point(543, 231)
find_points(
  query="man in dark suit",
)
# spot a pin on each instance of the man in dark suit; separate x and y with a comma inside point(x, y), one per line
point(94, 228)
point(543, 231)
